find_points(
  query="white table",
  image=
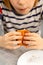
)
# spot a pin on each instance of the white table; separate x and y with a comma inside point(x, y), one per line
point(10, 57)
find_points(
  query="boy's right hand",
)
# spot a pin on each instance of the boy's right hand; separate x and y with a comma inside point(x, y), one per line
point(11, 40)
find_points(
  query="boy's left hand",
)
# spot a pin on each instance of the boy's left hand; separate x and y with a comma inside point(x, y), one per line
point(33, 40)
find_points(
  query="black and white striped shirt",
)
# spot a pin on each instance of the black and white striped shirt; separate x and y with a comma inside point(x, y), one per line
point(31, 21)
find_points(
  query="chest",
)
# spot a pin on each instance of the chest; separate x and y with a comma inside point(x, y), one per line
point(14, 22)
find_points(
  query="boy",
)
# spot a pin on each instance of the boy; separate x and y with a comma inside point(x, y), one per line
point(18, 15)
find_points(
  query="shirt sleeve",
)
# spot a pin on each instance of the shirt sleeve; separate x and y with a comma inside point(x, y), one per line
point(1, 26)
point(1, 23)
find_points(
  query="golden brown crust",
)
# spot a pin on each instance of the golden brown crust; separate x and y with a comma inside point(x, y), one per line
point(22, 34)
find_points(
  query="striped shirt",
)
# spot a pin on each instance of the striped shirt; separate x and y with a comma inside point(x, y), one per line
point(12, 21)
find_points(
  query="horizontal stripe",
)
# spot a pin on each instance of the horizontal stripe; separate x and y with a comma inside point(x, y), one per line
point(35, 31)
point(22, 23)
point(36, 7)
point(22, 18)
point(13, 20)
point(34, 15)
point(10, 29)
point(21, 28)
point(1, 2)
point(42, 12)
point(6, 30)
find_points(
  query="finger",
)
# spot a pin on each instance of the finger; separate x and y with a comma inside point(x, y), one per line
point(30, 38)
point(12, 47)
point(15, 37)
point(29, 42)
point(32, 34)
point(13, 33)
point(13, 42)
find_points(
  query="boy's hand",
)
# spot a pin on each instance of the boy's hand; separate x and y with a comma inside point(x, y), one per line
point(33, 40)
point(10, 40)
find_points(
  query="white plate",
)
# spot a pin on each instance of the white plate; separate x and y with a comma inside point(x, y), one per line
point(33, 57)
